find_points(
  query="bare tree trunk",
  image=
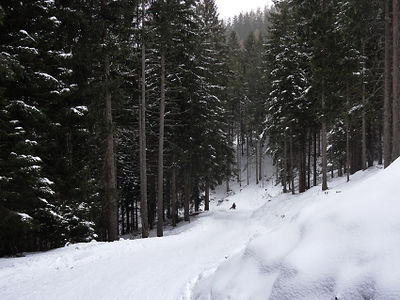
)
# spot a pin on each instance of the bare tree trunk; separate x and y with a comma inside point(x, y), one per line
point(142, 140)
point(332, 165)
point(136, 216)
point(340, 173)
point(207, 196)
point(167, 197)
point(123, 210)
point(364, 119)
point(248, 162)
point(285, 166)
point(323, 109)
point(260, 156)
point(347, 134)
point(315, 159)
point(160, 207)
point(239, 159)
point(379, 145)
point(110, 203)
point(291, 165)
point(187, 190)
point(128, 219)
point(173, 194)
point(257, 175)
point(241, 127)
point(302, 165)
point(395, 105)
point(387, 115)
point(196, 195)
point(309, 160)
point(324, 142)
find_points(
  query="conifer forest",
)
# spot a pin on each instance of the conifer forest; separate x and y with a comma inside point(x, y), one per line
point(119, 117)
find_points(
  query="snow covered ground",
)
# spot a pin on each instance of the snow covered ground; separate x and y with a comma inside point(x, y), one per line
point(344, 243)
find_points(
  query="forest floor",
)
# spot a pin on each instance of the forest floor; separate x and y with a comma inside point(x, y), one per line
point(343, 243)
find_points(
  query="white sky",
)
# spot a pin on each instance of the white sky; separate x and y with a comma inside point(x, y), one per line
point(230, 8)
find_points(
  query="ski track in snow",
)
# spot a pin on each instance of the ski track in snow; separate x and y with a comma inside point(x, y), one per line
point(155, 268)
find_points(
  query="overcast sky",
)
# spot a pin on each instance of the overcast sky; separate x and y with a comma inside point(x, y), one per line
point(229, 8)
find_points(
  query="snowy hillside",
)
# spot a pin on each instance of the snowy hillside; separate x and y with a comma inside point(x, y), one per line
point(344, 243)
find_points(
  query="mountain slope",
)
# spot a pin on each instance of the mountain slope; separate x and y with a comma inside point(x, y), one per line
point(344, 243)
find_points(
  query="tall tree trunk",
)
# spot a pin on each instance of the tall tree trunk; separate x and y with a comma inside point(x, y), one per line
point(239, 159)
point(196, 195)
point(207, 196)
point(260, 161)
point(187, 193)
point(347, 134)
point(167, 198)
point(379, 145)
point(248, 161)
point(291, 165)
point(123, 210)
point(257, 175)
point(364, 119)
point(128, 219)
point(323, 109)
point(160, 207)
point(395, 70)
point(173, 194)
point(241, 127)
point(332, 165)
point(302, 165)
point(285, 165)
point(315, 159)
point(109, 171)
point(324, 142)
point(309, 159)
point(151, 200)
point(387, 115)
point(142, 139)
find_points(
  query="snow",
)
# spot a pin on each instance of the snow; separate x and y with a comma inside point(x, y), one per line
point(24, 32)
point(80, 110)
point(29, 158)
point(46, 76)
point(25, 106)
point(31, 143)
point(343, 243)
point(28, 49)
point(55, 20)
point(46, 181)
point(25, 217)
point(43, 200)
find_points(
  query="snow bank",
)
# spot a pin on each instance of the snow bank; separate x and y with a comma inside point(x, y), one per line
point(344, 243)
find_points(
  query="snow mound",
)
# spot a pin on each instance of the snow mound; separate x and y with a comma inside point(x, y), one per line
point(344, 243)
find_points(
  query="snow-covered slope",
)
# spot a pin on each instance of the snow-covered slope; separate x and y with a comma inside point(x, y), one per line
point(344, 243)
point(155, 268)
